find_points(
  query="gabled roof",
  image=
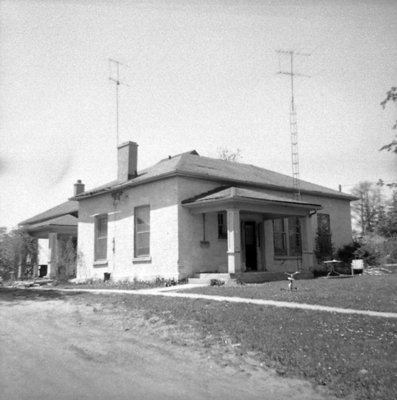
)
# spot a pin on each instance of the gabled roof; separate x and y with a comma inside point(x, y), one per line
point(190, 164)
point(236, 193)
point(66, 208)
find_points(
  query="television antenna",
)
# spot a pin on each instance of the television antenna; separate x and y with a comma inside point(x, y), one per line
point(114, 76)
point(292, 118)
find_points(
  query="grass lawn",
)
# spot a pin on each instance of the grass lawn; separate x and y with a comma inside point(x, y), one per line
point(377, 293)
point(122, 285)
point(352, 355)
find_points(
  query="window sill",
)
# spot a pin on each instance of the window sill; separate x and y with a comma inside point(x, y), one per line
point(142, 260)
point(101, 263)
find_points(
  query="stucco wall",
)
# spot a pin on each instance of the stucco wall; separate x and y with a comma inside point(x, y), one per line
point(195, 256)
point(340, 218)
point(163, 262)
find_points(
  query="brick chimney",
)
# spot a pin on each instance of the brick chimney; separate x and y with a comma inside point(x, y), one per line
point(127, 159)
point(78, 187)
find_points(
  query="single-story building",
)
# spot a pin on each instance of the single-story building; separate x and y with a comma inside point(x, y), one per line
point(190, 214)
point(56, 231)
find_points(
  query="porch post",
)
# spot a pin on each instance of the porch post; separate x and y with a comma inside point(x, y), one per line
point(269, 244)
point(307, 243)
point(19, 274)
point(233, 241)
point(53, 255)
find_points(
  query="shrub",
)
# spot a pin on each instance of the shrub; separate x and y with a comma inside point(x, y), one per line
point(216, 282)
point(391, 251)
point(320, 270)
point(324, 248)
point(377, 250)
point(347, 253)
point(67, 258)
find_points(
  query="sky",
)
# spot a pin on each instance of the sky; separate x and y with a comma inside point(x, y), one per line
point(198, 75)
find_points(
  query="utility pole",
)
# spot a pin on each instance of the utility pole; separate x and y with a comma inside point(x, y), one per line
point(114, 76)
point(293, 120)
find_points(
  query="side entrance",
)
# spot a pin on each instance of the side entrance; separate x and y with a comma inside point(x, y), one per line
point(250, 245)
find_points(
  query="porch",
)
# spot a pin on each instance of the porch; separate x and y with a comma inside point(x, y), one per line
point(265, 235)
point(57, 240)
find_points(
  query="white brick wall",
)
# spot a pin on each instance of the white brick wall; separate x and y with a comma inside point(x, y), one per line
point(163, 262)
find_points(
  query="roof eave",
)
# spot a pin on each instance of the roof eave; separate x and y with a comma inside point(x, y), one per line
point(228, 181)
point(250, 201)
point(26, 223)
point(133, 183)
point(122, 186)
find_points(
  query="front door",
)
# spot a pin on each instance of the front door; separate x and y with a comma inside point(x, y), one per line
point(250, 245)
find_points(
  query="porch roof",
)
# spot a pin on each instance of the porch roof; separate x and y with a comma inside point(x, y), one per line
point(67, 208)
point(236, 195)
point(64, 224)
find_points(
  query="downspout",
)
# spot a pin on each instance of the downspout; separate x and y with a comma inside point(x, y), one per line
point(116, 200)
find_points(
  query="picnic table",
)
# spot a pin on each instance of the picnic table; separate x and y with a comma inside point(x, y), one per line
point(331, 267)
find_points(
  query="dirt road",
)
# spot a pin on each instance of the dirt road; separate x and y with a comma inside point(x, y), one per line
point(67, 349)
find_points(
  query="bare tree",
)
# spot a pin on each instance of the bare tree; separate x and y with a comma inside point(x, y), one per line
point(391, 95)
point(18, 250)
point(229, 155)
point(369, 208)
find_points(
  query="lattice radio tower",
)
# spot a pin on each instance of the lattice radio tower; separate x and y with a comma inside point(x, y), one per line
point(114, 76)
point(293, 119)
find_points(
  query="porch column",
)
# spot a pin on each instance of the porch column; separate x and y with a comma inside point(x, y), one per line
point(53, 255)
point(19, 274)
point(233, 241)
point(269, 244)
point(35, 270)
point(307, 243)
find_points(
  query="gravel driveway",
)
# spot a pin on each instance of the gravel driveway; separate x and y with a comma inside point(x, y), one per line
point(68, 349)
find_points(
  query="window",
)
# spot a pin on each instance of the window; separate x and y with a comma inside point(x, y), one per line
point(324, 248)
point(142, 231)
point(279, 237)
point(287, 237)
point(101, 237)
point(222, 226)
point(294, 237)
point(323, 224)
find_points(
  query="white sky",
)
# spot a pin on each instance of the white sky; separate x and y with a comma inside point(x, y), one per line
point(202, 75)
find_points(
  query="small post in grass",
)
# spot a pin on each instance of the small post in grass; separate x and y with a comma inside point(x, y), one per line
point(291, 280)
